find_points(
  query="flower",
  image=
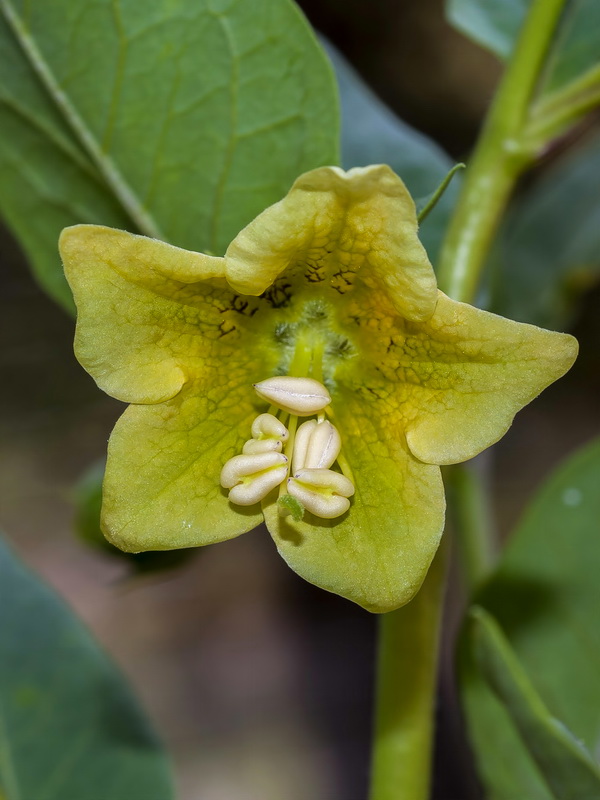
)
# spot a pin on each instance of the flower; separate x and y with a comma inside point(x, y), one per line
point(331, 283)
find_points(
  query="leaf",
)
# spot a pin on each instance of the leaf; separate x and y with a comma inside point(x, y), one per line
point(567, 767)
point(548, 252)
point(496, 25)
point(492, 25)
point(181, 120)
point(373, 134)
point(575, 50)
point(545, 595)
point(69, 726)
point(87, 498)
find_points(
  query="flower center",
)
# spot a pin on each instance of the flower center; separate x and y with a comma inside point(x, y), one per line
point(300, 459)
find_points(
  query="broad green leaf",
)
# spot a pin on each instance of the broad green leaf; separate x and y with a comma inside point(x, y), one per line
point(495, 24)
point(492, 24)
point(545, 596)
point(69, 726)
point(576, 49)
point(568, 769)
point(373, 134)
point(548, 252)
point(181, 120)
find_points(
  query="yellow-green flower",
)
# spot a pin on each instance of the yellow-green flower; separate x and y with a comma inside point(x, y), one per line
point(332, 284)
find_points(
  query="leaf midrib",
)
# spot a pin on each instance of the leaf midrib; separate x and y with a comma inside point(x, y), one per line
point(142, 218)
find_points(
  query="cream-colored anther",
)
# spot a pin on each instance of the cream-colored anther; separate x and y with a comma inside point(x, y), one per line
point(254, 446)
point(250, 492)
point(299, 396)
point(316, 446)
point(245, 467)
point(322, 492)
point(267, 426)
point(301, 443)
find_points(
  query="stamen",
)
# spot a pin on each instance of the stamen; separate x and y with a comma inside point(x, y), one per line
point(254, 446)
point(317, 445)
point(324, 446)
point(252, 477)
point(299, 396)
point(301, 443)
point(267, 426)
point(247, 494)
point(323, 492)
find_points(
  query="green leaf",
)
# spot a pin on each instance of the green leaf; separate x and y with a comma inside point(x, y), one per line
point(373, 134)
point(69, 726)
point(180, 120)
point(548, 252)
point(575, 50)
point(87, 498)
point(566, 766)
point(490, 24)
point(545, 596)
point(496, 25)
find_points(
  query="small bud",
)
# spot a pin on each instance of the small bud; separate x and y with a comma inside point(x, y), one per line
point(246, 466)
point(323, 492)
point(299, 396)
point(254, 446)
point(316, 446)
point(267, 426)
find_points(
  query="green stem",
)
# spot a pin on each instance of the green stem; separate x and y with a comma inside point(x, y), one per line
point(499, 158)
point(556, 113)
point(406, 683)
point(408, 648)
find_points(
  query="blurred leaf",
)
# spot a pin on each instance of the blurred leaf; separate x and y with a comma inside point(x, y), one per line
point(576, 49)
point(490, 24)
point(372, 134)
point(180, 120)
point(88, 503)
point(71, 730)
point(495, 25)
point(545, 595)
point(548, 252)
point(567, 767)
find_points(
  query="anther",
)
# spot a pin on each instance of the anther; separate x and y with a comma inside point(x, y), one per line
point(252, 477)
point(299, 396)
point(317, 445)
point(254, 446)
point(323, 492)
point(267, 426)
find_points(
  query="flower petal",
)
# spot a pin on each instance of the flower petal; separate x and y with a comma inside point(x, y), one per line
point(377, 554)
point(147, 312)
point(472, 372)
point(335, 228)
point(161, 489)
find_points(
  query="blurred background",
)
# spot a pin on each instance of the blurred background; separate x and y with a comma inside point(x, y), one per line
point(259, 683)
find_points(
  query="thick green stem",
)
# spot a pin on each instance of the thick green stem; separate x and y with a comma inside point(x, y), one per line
point(408, 648)
point(406, 683)
point(499, 158)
